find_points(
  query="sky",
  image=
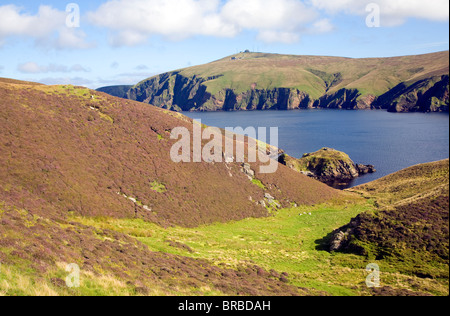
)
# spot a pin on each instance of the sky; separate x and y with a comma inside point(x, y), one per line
point(99, 43)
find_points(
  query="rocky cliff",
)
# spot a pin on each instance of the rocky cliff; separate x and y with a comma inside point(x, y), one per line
point(171, 91)
point(178, 93)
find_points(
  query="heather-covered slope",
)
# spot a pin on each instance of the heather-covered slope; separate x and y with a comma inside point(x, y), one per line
point(69, 153)
point(256, 81)
point(91, 154)
point(35, 251)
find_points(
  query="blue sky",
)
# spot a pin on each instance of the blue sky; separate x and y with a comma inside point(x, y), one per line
point(125, 41)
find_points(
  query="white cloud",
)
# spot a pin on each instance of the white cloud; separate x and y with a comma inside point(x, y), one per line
point(78, 68)
point(71, 38)
point(322, 26)
point(33, 68)
point(47, 27)
point(133, 22)
point(275, 20)
point(393, 12)
point(29, 68)
point(15, 22)
point(267, 14)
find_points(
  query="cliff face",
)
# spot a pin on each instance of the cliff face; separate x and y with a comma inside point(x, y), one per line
point(116, 91)
point(263, 99)
point(348, 99)
point(176, 92)
point(171, 91)
point(426, 95)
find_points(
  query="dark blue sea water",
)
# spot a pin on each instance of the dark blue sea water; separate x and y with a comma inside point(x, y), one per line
point(390, 141)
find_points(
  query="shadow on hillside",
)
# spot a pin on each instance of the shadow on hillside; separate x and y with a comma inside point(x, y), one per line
point(323, 244)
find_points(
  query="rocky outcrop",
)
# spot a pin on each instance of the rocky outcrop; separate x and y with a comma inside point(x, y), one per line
point(327, 165)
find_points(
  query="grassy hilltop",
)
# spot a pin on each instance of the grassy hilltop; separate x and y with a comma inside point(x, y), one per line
point(86, 178)
point(250, 81)
point(316, 75)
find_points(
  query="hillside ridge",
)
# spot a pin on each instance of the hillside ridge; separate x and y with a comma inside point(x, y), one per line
point(258, 81)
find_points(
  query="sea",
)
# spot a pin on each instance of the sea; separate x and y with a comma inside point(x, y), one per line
point(389, 141)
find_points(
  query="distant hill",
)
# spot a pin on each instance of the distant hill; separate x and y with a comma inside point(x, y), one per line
point(116, 91)
point(250, 81)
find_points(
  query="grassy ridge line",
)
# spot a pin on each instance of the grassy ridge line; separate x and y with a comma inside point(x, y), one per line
point(407, 184)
